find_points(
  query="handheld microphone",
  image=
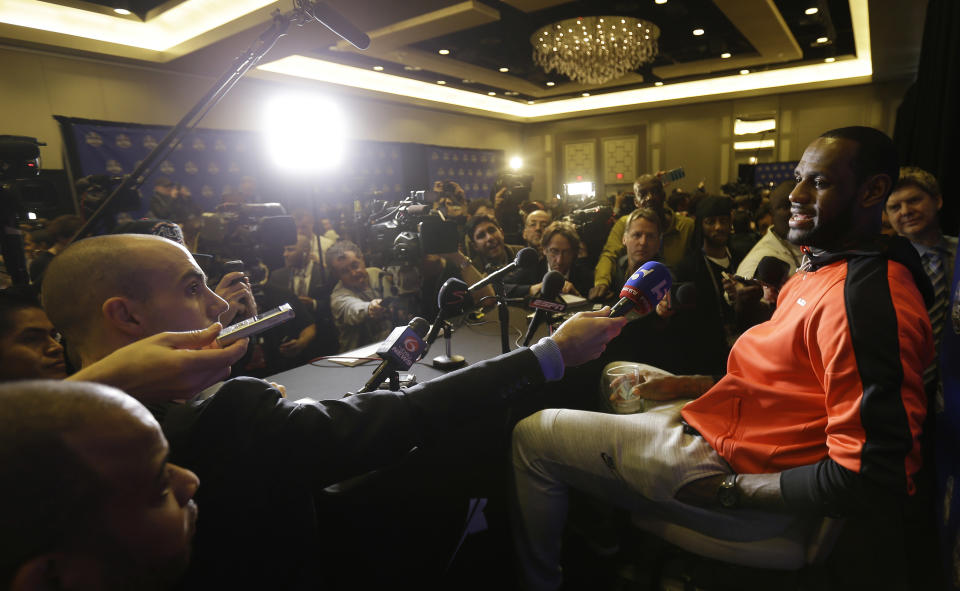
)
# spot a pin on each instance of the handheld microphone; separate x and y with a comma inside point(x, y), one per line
point(527, 257)
point(338, 24)
point(772, 271)
point(401, 349)
point(552, 285)
point(647, 286)
point(450, 302)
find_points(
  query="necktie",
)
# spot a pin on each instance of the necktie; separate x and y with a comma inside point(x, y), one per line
point(933, 266)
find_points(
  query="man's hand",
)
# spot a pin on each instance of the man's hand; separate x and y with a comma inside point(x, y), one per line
point(599, 292)
point(657, 386)
point(309, 302)
point(585, 335)
point(166, 366)
point(755, 491)
point(235, 288)
point(376, 309)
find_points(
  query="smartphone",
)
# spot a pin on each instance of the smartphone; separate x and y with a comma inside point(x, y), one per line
point(255, 325)
point(740, 280)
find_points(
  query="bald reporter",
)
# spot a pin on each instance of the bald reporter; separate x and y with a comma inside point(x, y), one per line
point(89, 499)
point(263, 459)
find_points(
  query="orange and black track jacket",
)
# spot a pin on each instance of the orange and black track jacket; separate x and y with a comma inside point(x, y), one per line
point(829, 392)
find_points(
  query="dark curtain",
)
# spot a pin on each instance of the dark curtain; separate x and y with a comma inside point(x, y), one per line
point(928, 126)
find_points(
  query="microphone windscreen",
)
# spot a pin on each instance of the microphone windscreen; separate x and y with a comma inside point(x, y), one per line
point(686, 295)
point(451, 296)
point(647, 286)
point(527, 257)
point(420, 326)
point(552, 285)
point(772, 270)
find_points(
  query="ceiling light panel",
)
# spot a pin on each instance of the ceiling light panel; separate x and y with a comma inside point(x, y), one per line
point(181, 23)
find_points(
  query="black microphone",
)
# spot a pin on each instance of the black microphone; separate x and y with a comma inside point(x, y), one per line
point(527, 257)
point(399, 351)
point(772, 271)
point(643, 290)
point(450, 300)
point(337, 23)
point(552, 285)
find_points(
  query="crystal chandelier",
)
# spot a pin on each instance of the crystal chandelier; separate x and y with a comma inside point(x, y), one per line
point(595, 49)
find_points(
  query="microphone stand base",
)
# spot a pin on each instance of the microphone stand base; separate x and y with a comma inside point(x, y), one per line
point(447, 363)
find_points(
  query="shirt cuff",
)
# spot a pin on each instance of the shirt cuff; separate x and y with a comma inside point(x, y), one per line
point(550, 358)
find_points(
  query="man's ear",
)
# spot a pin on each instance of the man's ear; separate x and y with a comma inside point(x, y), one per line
point(122, 314)
point(874, 190)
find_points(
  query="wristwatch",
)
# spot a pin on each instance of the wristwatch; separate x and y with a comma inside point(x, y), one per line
point(466, 263)
point(727, 494)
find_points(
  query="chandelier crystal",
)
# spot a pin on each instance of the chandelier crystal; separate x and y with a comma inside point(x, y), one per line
point(595, 49)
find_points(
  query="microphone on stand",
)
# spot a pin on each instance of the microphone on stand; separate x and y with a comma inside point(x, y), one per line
point(399, 351)
point(450, 302)
point(640, 294)
point(552, 285)
point(527, 257)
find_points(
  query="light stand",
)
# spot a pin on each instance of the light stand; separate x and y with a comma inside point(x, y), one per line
point(302, 13)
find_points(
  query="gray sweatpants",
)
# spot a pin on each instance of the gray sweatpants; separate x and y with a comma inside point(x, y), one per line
point(636, 461)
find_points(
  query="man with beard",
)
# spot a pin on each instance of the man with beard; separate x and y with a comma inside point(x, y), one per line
point(94, 504)
point(774, 241)
point(819, 413)
point(676, 236)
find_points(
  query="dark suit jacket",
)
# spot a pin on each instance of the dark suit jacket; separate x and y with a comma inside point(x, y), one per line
point(326, 342)
point(283, 277)
point(262, 459)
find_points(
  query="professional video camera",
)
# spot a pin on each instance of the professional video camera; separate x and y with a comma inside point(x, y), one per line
point(593, 222)
point(404, 232)
point(508, 211)
point(253, 232)
point(19, 163)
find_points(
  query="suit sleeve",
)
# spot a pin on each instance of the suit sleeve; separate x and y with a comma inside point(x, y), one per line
point(871, 354)
point(333, 440)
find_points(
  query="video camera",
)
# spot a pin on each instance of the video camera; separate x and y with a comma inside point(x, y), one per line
point(593, 223)
point(253, 232)
point(406, 231)
point(19, 165)
point(508, 211)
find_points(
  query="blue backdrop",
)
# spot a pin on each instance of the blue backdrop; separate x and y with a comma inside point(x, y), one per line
point(212, 162)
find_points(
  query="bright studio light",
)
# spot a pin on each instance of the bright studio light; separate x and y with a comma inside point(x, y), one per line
point(304, 133)
point(516, 163)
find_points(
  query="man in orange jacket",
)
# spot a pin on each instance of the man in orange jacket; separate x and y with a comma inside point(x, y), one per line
point(819, 411)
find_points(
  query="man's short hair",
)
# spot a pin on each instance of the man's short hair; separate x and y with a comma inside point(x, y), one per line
point(474, 204)
point(919, 178)
point(340, 250)
point(876, 154)
point(475, 221)
point(644, 213)
point(12, 300)
point(51, 495)
point(565, 229)
point(64, 227)
point(89, 272)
